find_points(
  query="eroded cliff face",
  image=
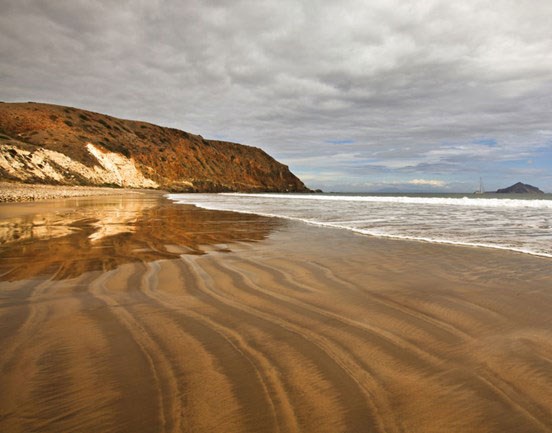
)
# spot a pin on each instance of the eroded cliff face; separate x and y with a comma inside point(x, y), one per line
point(62, 145)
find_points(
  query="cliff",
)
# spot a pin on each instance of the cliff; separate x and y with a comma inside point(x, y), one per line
point(520, 188)
point(51, 144)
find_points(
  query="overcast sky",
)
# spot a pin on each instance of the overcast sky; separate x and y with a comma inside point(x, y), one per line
point(352, 95)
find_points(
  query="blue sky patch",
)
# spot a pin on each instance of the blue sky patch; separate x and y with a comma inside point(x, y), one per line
point(486, 142)
point(342, 141)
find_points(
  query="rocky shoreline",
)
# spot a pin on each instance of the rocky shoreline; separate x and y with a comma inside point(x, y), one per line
point(18, 192)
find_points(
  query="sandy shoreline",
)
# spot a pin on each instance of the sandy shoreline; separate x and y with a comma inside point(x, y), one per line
point(131, 313)
point(22, 192)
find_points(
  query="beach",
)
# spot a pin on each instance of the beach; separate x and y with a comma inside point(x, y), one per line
point(128, 312)
point(22, 192)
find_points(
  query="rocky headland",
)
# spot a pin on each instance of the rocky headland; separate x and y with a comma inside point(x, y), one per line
point(520, 188)
point(51, 144)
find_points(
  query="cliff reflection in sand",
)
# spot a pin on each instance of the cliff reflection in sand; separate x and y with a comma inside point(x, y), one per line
point(102, 233)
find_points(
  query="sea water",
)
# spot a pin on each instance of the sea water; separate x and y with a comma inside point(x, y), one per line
point(521, 223)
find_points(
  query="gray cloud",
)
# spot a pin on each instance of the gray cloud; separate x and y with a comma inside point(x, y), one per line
point(328, 87)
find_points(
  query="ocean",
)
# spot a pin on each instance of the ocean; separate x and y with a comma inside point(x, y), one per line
point(521, 223)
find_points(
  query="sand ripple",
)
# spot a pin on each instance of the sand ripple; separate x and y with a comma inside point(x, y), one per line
point(307, 330)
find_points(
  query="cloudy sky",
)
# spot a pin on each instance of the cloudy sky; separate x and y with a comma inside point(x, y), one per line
point(355, 95)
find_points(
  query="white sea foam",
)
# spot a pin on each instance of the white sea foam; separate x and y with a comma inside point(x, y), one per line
point(464, 201)
point(521, 225)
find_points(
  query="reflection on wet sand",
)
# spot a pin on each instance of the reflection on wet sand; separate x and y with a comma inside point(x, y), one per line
point(103, 234)
point(152, 317)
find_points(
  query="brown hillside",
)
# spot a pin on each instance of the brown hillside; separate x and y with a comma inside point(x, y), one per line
point(34, 137)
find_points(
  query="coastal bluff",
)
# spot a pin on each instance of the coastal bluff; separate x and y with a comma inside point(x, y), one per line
point(52, 144)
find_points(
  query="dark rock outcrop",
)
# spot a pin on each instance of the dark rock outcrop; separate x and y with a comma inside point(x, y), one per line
point(53, 144)
point(520, 188)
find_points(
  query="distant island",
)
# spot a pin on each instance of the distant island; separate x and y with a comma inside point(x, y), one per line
point(52, 144)
point(520, 188)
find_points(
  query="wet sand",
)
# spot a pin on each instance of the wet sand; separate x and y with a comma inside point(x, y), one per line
point(132, 314)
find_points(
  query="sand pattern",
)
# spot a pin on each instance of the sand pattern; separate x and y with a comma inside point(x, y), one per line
point(199, 321)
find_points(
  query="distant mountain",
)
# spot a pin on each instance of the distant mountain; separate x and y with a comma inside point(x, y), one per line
point(520, 188)
point(52, 144)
